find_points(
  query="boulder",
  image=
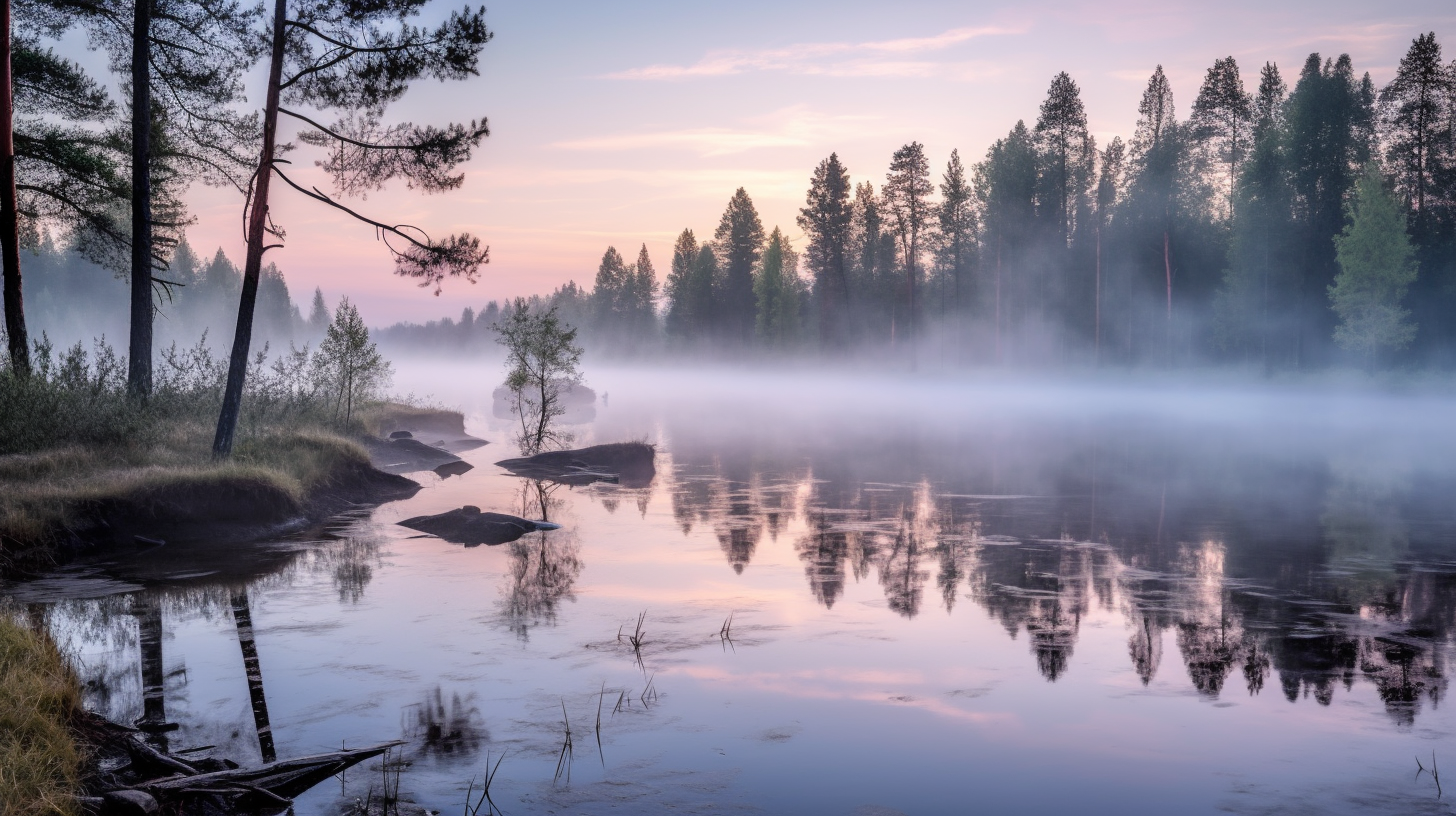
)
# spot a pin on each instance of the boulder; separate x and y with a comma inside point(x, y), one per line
point(401, 435)
point(407, 455)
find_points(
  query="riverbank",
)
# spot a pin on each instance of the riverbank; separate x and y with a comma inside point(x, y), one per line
point(40, 760)
point(64, 502)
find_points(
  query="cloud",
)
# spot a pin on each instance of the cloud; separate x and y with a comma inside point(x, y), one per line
point(880, 58)
point(790, 127)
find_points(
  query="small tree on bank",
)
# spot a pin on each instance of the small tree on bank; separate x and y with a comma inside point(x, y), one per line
point(1377, 266)
point(542, 361)
point(348, 363)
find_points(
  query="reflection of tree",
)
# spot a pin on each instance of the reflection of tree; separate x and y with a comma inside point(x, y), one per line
point(544, 565)
point(1403, 673)
point(824, 551)
point(1210, 653)
point(1145, 647)
point(900, 573)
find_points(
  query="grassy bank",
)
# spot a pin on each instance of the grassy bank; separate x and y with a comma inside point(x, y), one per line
point(40, 762)
point(80, 461)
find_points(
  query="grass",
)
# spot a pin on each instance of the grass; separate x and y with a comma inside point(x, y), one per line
point(40, 762)
point(44, 494)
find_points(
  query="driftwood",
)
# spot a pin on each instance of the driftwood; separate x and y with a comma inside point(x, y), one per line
point(269, 785)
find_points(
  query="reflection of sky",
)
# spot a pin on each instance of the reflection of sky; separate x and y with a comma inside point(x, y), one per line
point(817, 709)
point(624, 123)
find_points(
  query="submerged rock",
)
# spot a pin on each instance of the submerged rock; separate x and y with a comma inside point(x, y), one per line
point(630, 464)
point(401, 435)
point(471, 527)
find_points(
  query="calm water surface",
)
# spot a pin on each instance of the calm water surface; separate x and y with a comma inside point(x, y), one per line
point(944, 598)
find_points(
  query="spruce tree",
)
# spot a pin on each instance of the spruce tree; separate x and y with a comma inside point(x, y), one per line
point(826, 220)
point(643, 290)
point(1377, 266)
point(776, 294)
point(318, 313)
point(355, 59)
point(610, 294)
point(1005, 184)
point(907, 203)
point(740, 237)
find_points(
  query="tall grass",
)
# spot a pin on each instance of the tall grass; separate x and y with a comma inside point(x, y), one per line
point(70, 433)
point(40, 762)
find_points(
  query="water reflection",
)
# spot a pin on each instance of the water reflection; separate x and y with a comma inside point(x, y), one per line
point(544, 566)
point(1249, 568)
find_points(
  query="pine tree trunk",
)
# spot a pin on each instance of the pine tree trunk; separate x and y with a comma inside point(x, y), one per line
point(1168, 275)
point(18, 340)
point(139, 355)
point(232, 400)
point(1097, 304)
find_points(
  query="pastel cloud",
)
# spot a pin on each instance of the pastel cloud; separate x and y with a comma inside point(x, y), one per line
point(791, 127)
point(880, 58)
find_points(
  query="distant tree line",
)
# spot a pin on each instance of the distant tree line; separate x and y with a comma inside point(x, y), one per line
point(1243, 232)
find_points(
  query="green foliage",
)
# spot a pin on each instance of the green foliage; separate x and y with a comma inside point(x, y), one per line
point(348, 365)
point(776, 289)
point(1377, 266)
point(542, 362)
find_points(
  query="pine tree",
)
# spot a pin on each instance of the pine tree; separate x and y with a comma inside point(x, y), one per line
point(1005, 184)
point(1416, 115)
point(907, 203)
point(956, 229)
point(318, 313)
point(1159, 159)
point(1323, 154)
point(682, 322)
point(340, 57)
point(1256, 285)
point(872, 249)
point(610, 296)
point(826, 220)
point(1109, 191)
point(1223, 117)
point(1060, 132)
point(740, 237)
point(643, 297)
point(1377, 266)
point(56, 166)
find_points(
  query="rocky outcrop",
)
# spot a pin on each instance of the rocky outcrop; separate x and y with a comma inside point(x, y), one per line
point(469, 526)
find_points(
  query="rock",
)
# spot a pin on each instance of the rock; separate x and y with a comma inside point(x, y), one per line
point(129, 802)
point(630, 464)
point(449, 469)
point(469, 526)
point(401, 435)
point(407, 455)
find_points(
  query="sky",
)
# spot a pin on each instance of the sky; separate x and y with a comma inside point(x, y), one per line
point(620, 124)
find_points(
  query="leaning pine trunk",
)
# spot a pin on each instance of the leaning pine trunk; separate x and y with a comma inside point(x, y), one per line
point(232, 400)
point(9, 212)
point(139, 356)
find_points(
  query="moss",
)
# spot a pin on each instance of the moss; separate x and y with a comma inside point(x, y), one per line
point(40, 761)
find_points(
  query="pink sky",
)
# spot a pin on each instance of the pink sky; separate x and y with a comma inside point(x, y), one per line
point(621, 124)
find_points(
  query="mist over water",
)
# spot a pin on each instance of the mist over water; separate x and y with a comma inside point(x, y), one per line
point(946, 594)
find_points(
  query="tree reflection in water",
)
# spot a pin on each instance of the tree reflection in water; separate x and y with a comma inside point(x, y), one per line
point(1150, 549)
point(544, 566)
